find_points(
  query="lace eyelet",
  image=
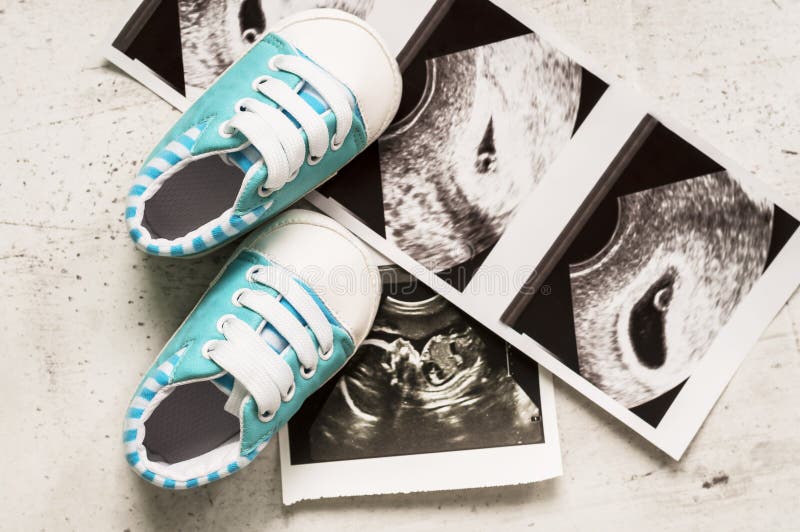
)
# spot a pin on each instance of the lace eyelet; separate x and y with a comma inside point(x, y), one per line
point(255, 270)
point(272, 64)
point(307, 373)
point(334, 145)
point(240, 106)
point(290, 394)
point(325, 356)
point(266, 417)
point(208, 347)
point(222, 321)
point(225, 131)
point(258, 81)
point(265, 192)
point(313, 161)
point(236, 296)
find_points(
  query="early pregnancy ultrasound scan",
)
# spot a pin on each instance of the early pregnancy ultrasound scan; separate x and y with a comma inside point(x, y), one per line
point(215, 33)
point(188, 43)
point(487, 107)
point(655, 274)
point(427, 379)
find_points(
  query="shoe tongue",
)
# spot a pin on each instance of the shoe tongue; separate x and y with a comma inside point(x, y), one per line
point(245, 158)
point(273, 339)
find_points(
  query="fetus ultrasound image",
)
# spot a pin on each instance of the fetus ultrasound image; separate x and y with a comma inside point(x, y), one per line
point(655, 274)
point(427, 379)
point(487, 107)
point(215, 33)
point(188, 43)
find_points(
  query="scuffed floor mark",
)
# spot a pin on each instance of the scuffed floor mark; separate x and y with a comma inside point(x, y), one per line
point(719, 479)
point(795, 332)
point(43, 226)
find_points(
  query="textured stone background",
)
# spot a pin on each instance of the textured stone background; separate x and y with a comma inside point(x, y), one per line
point(83, 314)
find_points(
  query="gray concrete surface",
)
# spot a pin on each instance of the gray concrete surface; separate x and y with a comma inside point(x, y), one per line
point(83, 313)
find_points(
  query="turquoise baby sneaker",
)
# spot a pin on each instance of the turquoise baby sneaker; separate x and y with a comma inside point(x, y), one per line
point(284, 315)
point(298, 106)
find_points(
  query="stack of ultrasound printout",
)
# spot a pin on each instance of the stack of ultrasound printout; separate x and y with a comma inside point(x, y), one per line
point(532, 215)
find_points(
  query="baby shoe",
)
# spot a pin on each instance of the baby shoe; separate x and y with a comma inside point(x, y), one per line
point(284, 315)
point(298, 106)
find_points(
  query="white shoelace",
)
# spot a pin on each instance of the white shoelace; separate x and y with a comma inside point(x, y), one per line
point(257, 369)
point(275, 136)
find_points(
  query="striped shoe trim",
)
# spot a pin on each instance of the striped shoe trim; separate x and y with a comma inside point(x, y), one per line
point(133, 434)
point(216, 232)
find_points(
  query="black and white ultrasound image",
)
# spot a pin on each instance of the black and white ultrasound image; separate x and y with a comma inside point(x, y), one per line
point(189, 43)
point(655, 274)
point(487, 107)
point(427, 379)
point(215, 33)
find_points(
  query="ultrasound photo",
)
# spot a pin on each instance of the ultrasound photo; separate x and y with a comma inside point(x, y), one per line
point(427, 379)
point(215, 33)
point(177, 48)
point(655, 274)
point(487, 108)
point(487, 127)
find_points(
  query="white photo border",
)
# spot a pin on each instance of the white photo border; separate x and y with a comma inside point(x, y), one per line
point(465, 469)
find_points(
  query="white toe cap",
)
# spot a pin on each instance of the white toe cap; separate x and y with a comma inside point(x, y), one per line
point(355, 54)
point(327, 258)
